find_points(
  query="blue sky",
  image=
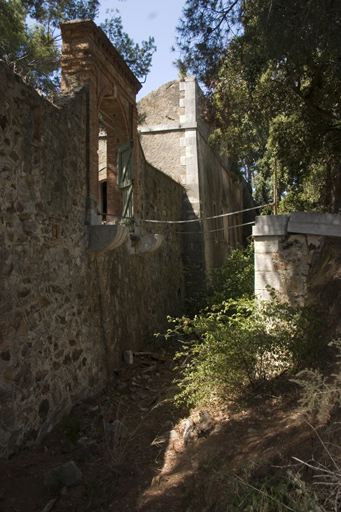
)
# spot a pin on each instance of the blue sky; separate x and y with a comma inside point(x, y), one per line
point(157, 18)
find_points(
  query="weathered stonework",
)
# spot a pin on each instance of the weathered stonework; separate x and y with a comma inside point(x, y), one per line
point(283, 263)
point(66, 313)
point(80, 281)
point(299, 256)
point(174, 137)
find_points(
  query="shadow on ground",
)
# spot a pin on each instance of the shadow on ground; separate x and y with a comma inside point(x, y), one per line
point(147, 467)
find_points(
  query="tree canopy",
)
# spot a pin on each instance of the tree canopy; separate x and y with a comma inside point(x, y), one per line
point(33, 49)
point(273, 69)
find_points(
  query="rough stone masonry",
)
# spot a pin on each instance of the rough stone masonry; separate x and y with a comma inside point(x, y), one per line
point(67, 313)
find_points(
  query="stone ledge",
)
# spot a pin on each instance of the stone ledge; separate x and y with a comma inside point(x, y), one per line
point(327, 224)
point(144, 244)
point(308, 223)
point(106, 237)
point(171, 127)
point(273, 225)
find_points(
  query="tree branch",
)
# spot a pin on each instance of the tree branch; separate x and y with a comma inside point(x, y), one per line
point(307, 100)
point(223, 17)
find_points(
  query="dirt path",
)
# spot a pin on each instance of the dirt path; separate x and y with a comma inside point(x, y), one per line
point(129, 444)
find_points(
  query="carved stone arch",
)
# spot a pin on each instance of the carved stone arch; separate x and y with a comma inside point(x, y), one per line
point(109, 100)
point(89, 59)
point(116, 116)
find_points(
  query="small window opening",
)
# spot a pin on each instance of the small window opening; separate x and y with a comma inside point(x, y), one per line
point(103, 198)
point(102, 173)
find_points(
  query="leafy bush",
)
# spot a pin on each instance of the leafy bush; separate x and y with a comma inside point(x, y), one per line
point(238, 344)
point(196, 288)
point(234, 279)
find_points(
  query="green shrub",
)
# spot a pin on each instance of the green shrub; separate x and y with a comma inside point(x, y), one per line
point(234, 279)
point(238, 344)
point(196, 288)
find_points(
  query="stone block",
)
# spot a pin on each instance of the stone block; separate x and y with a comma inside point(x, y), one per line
point(266, 244)
point(326, 224)
point(67, 475)
point(270, 225)
point(264, 279)
point(268, 262)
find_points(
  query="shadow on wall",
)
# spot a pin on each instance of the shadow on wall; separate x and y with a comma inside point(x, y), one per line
point(324, 283)
point(193, 255)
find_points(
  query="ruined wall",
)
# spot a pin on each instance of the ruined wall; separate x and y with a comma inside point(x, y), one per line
point(174, 137)
point(66, 313)
point(161, 131)
point(299, 256)
point(283, 263)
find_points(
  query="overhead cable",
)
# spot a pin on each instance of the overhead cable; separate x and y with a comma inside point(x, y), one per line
point(213, 230)
point(198, 219)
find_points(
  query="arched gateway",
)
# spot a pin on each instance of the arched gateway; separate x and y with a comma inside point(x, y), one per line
point(89, 59)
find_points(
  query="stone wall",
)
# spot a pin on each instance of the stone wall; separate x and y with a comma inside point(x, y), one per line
point(299, 256)
point(225, 196)
point(159, 111)
point(174, 137)
point(67, 313)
